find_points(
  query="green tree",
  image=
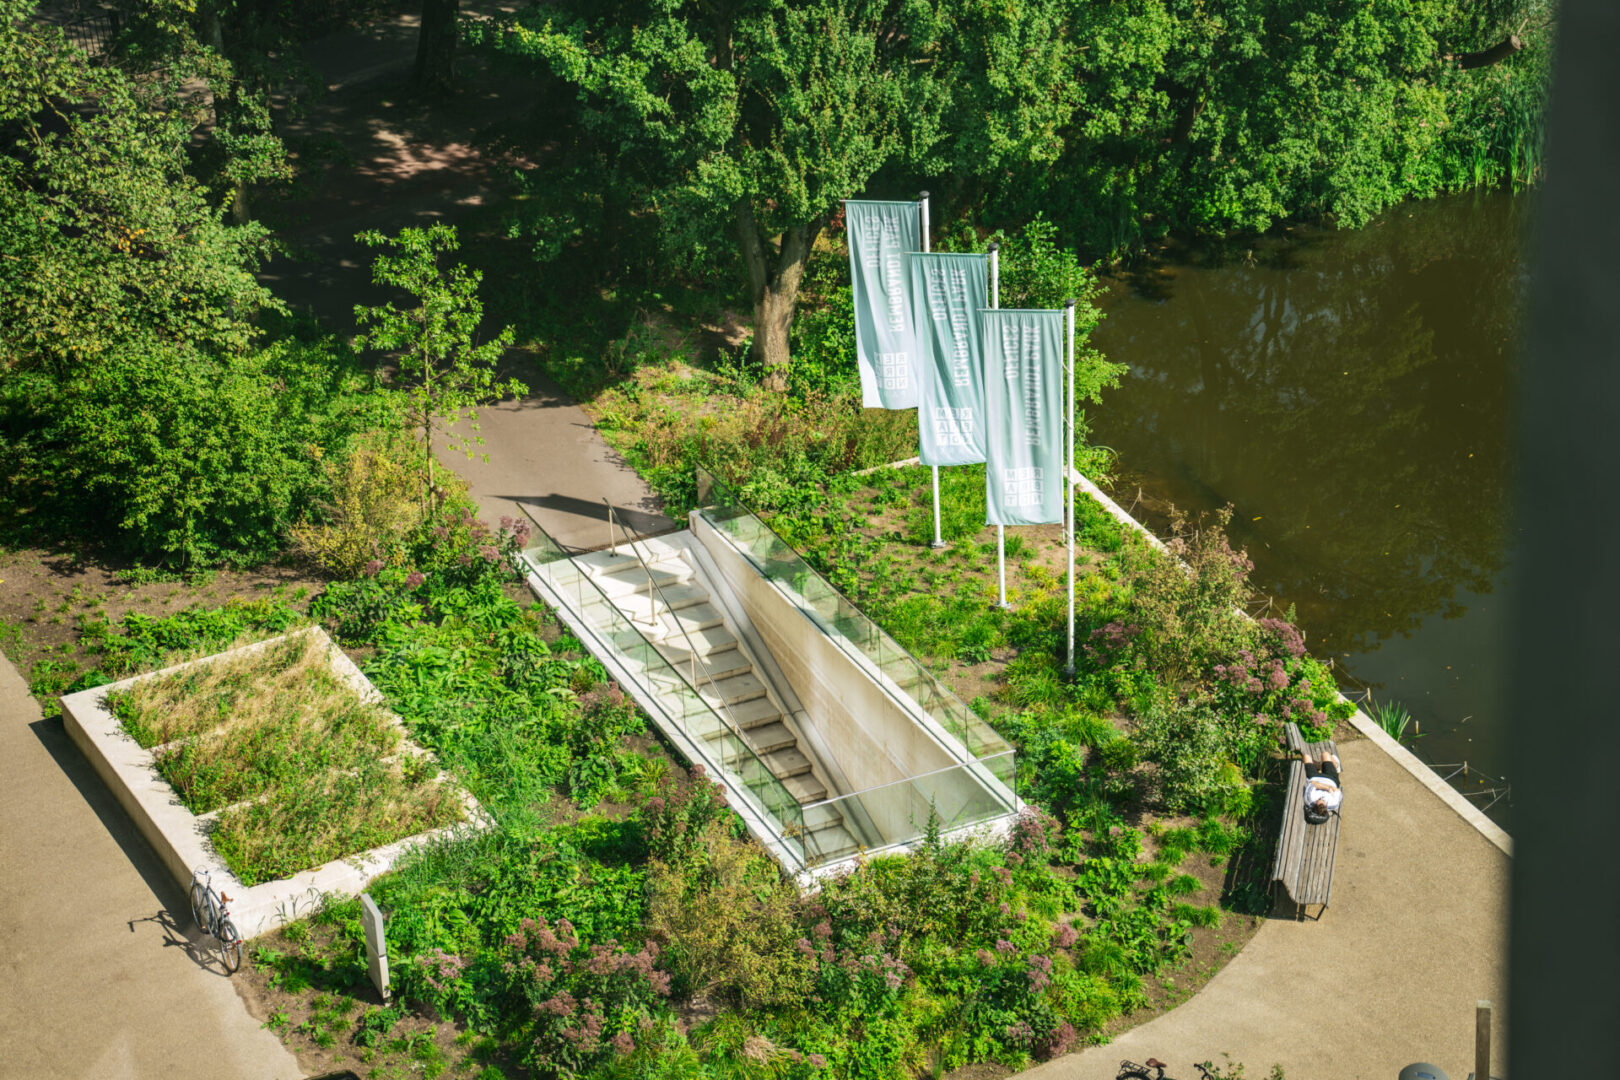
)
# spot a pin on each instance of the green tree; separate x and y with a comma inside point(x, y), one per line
point(107, 236)
point(445, 375)
point(747, 122)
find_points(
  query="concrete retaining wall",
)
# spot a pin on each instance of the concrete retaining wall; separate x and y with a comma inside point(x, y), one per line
point(874, 739)
point(180, 837)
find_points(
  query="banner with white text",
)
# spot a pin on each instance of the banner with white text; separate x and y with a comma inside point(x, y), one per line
point(880, 236)
point(947, 292)
point(1023, 404)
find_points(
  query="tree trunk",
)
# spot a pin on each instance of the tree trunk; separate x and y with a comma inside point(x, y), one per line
point(436, 47)
point(224, 97)
point(1493, 55)
point(775, 272)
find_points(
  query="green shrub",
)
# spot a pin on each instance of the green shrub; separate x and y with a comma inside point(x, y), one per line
point(185, 458)
point(729, 927)
point(1197, 750)
point(375, 503)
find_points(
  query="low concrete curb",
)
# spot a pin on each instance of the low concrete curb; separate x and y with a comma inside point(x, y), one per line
point(180, 838)
point(1362, 723)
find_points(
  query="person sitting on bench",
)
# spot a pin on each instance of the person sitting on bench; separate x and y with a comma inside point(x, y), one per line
point(1322, 792)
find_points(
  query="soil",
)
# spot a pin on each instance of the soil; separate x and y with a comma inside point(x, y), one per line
point(416, 1043)
point(47, 596)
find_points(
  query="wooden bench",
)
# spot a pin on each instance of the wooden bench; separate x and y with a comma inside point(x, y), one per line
point(1304, 859)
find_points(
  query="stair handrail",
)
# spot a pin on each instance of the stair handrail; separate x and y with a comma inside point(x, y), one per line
point(634, 540)
point(786, 830)
point(933, 682)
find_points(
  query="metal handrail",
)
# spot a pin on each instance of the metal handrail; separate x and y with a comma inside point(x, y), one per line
point(634, 540)
point(787, 830)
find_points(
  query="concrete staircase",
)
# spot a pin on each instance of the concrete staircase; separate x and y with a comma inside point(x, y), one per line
point(676, 615)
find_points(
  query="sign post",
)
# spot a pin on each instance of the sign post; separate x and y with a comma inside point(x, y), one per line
point(922, 202)
point(376, 944)
point(1069, 474)
point(1001, 530)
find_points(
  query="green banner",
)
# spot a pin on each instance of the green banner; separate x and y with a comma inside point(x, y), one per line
point(1023, 404)
point(880, 235)
point(947, 292)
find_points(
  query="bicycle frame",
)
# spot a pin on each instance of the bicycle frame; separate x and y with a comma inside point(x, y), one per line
point(209, 909)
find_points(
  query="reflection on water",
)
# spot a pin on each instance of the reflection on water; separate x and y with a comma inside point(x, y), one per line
point(1348, 393)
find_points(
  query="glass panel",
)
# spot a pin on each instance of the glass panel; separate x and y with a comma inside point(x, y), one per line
point(716, 735)
point(843, 622)
point(895, 814)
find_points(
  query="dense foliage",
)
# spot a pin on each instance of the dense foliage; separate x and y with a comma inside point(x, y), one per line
point(718, 140)
point(743, 126)
point(139, 401)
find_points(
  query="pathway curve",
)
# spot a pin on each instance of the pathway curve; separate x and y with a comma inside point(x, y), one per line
point(1417, 934)
point(414, 165)
point(100, 974)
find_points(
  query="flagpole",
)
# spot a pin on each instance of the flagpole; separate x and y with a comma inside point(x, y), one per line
point(994, 252)
point(1068, 480)
point(922, 202)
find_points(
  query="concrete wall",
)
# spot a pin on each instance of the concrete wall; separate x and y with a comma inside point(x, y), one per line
point(180, 838)
point(874, 739)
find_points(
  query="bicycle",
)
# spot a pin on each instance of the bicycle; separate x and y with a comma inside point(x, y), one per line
point(1130, 1070)
point(208, 909)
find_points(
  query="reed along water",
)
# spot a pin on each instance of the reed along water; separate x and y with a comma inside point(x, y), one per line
point(1349, 393)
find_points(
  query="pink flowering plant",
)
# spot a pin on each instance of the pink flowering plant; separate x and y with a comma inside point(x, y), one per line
point(585, 1004)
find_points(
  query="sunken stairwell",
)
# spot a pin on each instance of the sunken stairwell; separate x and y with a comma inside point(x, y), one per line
point(659, 592)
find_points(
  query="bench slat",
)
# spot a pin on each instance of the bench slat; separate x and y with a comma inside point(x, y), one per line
point(1305, 853)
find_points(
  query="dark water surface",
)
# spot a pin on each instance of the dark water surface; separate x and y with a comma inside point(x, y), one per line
point(1349, 393)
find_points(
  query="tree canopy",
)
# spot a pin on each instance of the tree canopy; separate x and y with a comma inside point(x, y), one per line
point(747, 123)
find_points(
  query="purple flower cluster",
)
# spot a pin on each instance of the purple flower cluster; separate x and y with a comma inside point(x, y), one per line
point(440, 968)
point(1032, 836)
point(1111, 638)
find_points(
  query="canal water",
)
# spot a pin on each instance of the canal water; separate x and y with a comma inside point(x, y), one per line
point(1349, 394)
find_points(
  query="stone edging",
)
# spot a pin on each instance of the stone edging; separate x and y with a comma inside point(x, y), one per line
point(180, 838)
point(1364, 724)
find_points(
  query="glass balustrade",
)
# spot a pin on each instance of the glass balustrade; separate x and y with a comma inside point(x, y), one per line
point(841, 620)
point(678, 698)
point(898, 814)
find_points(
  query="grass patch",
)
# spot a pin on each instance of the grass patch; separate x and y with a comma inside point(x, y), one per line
point(304, 770)
point(327, 815)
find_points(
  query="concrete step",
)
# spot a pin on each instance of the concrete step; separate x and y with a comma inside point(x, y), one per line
point(821, 817)
point(707, 642)
point(682, 594)
point(770, 738)
point(755, 713)
point(656, 551)
point(633, 581)
point(805, 787)
point(716, 665)
point(830, 845)
point(787, 763)
point(690, 619)
point(733, 690)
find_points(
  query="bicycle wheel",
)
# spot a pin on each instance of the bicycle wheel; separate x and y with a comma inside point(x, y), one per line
point(230, 946)
point(199, 905)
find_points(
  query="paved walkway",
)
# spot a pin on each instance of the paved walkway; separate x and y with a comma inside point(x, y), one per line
point(414, 165)
point(99, 979)
point(1390, 976)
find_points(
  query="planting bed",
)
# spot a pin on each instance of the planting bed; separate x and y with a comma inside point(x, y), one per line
point(273, 765)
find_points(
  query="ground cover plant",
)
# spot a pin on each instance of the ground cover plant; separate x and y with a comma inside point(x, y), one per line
point(301, 769)
point(619, 922)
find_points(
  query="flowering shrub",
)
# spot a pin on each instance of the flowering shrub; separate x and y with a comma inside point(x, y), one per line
point(1277, 682)
point(673, 821)
point(586, 1004)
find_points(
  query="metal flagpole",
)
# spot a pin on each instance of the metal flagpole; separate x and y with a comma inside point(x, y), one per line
point(994, 252)
point(1068, 479)
point(922, 201)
